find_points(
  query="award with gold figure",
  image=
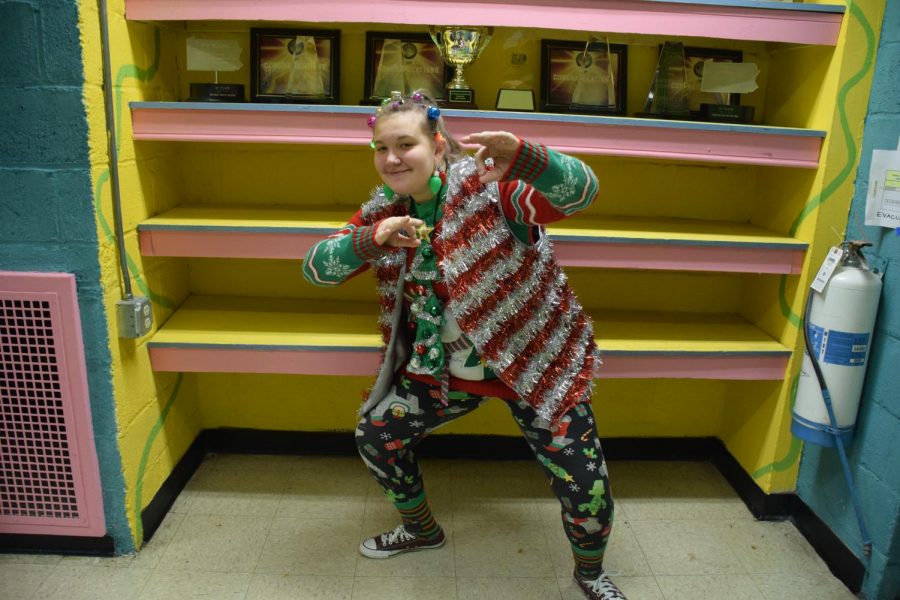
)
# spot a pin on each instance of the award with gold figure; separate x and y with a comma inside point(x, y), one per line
point(460, 46)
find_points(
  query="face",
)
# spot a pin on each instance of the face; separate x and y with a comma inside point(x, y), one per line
point(405, 154)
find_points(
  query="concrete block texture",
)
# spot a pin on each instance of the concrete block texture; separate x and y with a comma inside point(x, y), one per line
point(20, 57)
point(60, 43)
point(876, 429)
point(28, 205)
point(43, 128)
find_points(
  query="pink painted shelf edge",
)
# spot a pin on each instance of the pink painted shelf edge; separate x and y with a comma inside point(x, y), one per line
point(621, 255)
point(364, 362)
point(704, 142)
point(766, 21)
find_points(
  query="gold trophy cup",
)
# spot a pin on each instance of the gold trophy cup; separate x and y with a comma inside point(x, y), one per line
point(460, 46)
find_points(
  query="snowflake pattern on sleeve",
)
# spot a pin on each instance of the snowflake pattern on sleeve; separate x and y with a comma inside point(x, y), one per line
point(335, 268)
point(568, 187)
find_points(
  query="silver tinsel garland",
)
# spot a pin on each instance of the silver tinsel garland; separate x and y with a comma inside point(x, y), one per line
point(461, 218)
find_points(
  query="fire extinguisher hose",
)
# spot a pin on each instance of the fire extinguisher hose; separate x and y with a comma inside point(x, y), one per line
point(833, 430)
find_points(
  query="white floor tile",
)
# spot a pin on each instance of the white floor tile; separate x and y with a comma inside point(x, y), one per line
point(770, 547)
point(285, 527)
point(265, 586)
point(708, 587)
point(22, 580)
point(196, 585)
point(85, 582)
point(220, 543)
point(310, 547)
point(801, 586)
point(501, 548)
point(404, 588)
point(508, 588)
point(685, 548)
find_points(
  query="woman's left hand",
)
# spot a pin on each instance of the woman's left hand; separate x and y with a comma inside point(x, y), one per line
point(500, 146)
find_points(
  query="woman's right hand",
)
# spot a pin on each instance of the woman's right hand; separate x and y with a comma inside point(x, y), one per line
point(398, 232)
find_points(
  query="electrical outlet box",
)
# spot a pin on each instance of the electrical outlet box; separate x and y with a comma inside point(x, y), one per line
point(135, 317)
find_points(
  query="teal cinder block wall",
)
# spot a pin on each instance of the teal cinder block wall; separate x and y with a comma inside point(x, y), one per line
point(47, 219)
point(874, 453)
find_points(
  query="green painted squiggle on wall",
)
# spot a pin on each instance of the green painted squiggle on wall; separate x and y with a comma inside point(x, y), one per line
point(142, 75)
point(813, 203)
point(793, 453)
point(133, 269)
point(145, 455)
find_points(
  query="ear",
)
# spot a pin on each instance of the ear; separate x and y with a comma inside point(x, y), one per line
point(440, 149)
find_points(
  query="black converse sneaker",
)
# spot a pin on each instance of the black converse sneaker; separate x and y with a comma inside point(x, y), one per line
point(397, 541)
point(600, 588)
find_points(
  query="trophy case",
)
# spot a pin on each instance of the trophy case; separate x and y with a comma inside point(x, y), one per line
point(692, 260)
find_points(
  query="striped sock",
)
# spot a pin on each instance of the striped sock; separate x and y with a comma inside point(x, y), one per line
point(588, 563)
point(417, 517)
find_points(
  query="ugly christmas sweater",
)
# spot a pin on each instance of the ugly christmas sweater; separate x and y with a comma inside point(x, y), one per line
point(510, 325)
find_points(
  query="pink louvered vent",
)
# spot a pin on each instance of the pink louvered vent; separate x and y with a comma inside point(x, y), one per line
point(49, 480)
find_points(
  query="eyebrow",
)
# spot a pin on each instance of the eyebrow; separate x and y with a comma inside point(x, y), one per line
point(399, 139)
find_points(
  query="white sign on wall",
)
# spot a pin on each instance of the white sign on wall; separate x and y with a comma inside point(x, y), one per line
point(883, 200)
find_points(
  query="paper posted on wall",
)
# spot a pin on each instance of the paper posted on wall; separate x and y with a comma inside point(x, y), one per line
point(883, 199)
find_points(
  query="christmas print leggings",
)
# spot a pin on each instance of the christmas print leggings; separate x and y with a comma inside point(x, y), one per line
point(569, 453)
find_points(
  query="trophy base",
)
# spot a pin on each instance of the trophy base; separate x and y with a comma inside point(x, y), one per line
point(515, 100)
point(726, 113)
point(665, 116)
point(217, 92)
point(464, 99)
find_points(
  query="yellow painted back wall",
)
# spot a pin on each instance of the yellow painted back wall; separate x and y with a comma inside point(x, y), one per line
point(157, 414)
point(750, 417)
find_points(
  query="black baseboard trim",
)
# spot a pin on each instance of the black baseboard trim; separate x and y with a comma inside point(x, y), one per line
point(845, 565)
point(19, 543)
point(153, 515)
point(765, 507)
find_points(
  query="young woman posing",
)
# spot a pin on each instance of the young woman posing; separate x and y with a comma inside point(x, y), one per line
point(473, 305)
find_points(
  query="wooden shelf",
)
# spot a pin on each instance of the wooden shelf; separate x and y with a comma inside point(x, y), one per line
point(611, 242)
point(575, 134)
point(268, 335)
point(732, 19)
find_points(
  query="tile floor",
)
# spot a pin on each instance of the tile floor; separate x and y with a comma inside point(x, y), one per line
point(278, 527)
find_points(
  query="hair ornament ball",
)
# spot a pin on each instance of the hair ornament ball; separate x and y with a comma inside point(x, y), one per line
point(433, 113)
point(371, 121)
point(416, 97)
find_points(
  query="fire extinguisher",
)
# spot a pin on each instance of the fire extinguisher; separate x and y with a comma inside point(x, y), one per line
point(838, 330)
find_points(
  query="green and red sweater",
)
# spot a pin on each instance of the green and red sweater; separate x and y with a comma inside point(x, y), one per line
point(541, 187)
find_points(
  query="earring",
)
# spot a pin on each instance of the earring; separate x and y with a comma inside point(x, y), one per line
point(435, 182)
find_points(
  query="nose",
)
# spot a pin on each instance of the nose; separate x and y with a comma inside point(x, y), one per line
point(392, 157)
